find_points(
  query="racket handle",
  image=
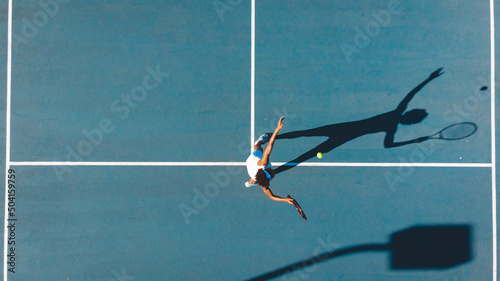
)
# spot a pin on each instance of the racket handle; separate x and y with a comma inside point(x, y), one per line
point(421, 139)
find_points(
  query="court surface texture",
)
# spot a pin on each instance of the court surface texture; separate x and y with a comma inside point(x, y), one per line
point(127, 125)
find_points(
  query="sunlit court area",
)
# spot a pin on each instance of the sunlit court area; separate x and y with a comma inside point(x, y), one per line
point(130, 128)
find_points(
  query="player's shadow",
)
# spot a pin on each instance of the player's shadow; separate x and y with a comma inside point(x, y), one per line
point(428, 247)
point(341, 133)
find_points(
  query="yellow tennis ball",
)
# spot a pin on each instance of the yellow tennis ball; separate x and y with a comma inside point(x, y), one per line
point(320, 155)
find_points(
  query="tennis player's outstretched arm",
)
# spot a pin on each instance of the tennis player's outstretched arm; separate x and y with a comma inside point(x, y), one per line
point(269, 193)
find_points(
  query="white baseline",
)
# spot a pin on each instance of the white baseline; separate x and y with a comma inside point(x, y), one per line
point(202, 164)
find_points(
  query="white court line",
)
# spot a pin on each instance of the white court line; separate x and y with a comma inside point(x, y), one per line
point(209, 164)
point(7, 137)
point(252, 81)
point(361, 164)
point(493, 141)
point(174, 164)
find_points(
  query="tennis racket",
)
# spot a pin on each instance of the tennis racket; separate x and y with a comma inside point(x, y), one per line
point(296, 204)
point(455, 132)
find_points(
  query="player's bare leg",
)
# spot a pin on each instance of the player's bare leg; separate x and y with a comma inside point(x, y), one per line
point(260, 141)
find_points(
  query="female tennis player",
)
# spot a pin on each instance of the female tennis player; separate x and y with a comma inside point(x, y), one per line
point(259, 167)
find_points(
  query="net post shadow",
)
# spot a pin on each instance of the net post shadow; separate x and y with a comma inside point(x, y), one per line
point(422, 247)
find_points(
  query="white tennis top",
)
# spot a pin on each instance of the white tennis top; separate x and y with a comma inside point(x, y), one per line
point(252, 166)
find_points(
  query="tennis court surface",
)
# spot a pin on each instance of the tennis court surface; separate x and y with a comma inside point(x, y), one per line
point(127, 126)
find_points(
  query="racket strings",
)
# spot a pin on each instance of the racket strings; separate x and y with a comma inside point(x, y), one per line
point(458, 131)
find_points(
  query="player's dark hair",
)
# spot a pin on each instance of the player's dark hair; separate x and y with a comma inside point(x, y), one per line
point(261, 178)
point(413, 116)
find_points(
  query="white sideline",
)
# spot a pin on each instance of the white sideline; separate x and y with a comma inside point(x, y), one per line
point(7, 137)
point(493, 142)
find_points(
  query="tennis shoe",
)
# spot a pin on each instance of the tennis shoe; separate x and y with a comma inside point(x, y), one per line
point(263, 138)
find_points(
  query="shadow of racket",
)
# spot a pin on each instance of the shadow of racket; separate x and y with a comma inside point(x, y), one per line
point(454, 132)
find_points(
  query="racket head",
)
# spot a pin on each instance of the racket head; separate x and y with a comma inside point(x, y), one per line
point(299, 209)
point(456, 131)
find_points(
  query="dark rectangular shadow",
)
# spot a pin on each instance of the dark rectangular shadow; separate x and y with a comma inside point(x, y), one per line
point(431, 247)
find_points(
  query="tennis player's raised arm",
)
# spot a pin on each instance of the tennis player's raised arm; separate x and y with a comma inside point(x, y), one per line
point(404, 103)
point(269, 147)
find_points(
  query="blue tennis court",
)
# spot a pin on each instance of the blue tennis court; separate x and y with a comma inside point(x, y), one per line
point(127, 126)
